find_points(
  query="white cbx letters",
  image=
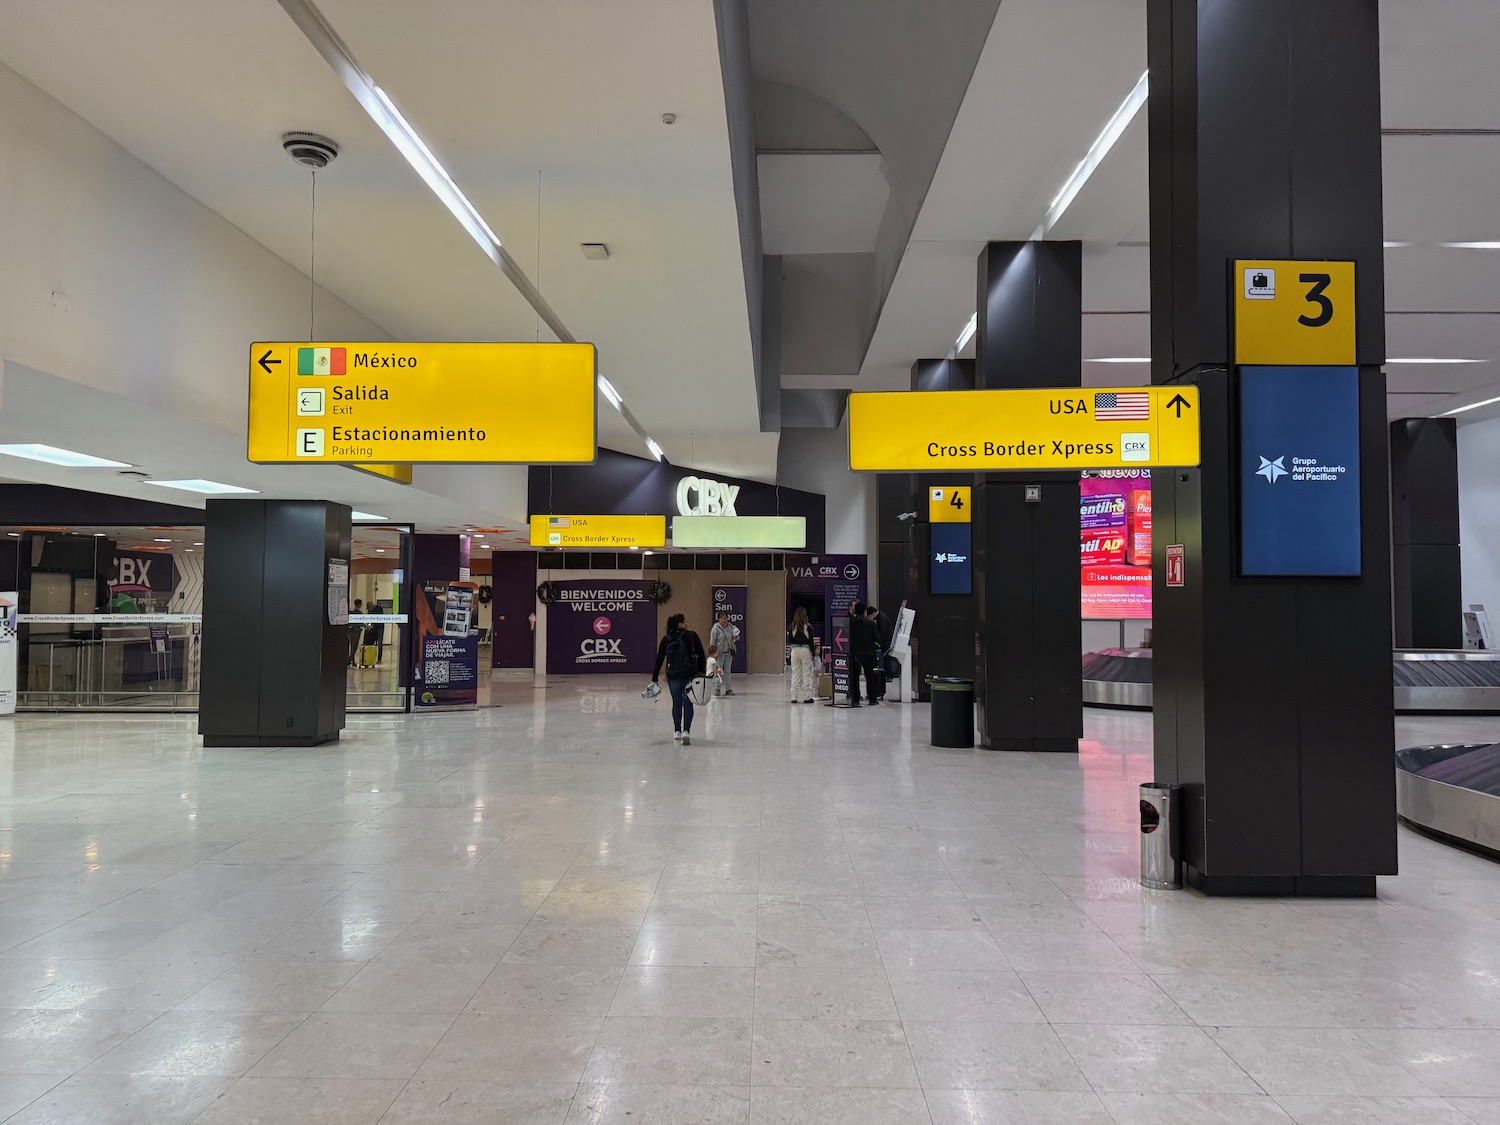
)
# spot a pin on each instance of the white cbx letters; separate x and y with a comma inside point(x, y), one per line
point(701, 496)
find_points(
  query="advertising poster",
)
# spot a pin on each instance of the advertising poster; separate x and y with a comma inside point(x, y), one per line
point(8, 643)
point(606, 625)
point(735, 601)
point(447, 667)
point(841, 663)
point(1114, 533)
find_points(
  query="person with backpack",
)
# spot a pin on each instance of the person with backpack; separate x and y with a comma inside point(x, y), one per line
point(681, 656)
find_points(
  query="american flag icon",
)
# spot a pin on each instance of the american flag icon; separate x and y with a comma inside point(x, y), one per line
point(1131, 406)
point(559, 521)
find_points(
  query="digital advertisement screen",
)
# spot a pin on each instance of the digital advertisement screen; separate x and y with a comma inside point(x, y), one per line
point(1114, 538)
point(1299, 472)
point(952, 560)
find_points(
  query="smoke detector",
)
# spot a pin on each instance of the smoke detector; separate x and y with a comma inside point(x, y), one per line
point(311, 150)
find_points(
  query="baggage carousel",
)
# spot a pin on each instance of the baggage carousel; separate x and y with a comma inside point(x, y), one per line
point(1452, 790)
point(1465, 681)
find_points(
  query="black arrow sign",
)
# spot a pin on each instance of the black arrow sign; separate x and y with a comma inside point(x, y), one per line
point(1178, 402)
point(265, 362)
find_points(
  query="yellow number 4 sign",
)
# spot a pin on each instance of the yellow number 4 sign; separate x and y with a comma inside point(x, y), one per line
point(948, 504)
point(1293, 313)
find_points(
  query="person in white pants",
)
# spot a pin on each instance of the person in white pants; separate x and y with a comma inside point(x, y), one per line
point(800, 638)
point(726, 636)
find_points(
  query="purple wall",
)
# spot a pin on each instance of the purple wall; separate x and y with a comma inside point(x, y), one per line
point(514, 583)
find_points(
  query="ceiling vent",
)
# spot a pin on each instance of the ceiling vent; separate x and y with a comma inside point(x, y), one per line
point(311, 150)
point(595, 251)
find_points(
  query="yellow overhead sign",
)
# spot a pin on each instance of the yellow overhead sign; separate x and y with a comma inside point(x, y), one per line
point(1293, 313)
point(385, 403)
point(990, 431)
point(948, 503)
point(599, 531)
point(401, 474)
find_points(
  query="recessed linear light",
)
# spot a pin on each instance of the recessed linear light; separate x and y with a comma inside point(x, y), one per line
point(1394, 245)
point(1120, 359)
point(52, 455)
point(655, 449)
point(1098, 151)
point(967, 334)
point(1434, 359)
point(380, 550)
point(367, 516)
point(98, 535)
point(205, 487)
point(607, 389)
point(1471, 406)
point(1472, 245)
point(389, 120)
point(163, 541)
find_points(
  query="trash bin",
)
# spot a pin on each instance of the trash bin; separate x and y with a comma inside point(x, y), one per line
point(952, 712)
point(1160, 868)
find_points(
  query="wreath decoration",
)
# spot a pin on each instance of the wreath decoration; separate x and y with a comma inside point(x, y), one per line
point(547, 593)
point(486, 595)
point(658, 592)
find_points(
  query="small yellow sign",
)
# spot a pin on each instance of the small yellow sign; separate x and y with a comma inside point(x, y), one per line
point(989, 431)
point(605, 532)
point(397, 403)
point(1293, 313)
point(948, 503)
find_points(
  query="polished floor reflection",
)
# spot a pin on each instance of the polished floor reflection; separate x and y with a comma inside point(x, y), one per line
point(548, 912)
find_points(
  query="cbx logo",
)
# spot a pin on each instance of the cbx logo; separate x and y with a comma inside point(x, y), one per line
point(600, 646)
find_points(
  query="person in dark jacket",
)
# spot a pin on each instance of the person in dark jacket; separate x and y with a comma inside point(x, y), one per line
point(885, 633)
point(863, 640)
point(681, 655)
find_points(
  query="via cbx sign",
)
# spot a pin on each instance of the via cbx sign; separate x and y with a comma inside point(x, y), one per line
point(703, 496)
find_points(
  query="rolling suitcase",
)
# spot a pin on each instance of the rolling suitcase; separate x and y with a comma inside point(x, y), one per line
point(368, 654)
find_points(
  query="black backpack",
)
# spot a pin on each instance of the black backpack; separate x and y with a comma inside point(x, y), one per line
point(679, 661)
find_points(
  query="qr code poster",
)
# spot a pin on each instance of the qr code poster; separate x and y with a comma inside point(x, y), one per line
point(436, 673)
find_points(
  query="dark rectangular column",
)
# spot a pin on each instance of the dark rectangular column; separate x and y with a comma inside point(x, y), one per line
point(1273, 698)
point(1426, 571)
point(1030, 334)
point(273, 670)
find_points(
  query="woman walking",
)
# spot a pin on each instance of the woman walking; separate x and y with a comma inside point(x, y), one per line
point(800, 638)
point(681, 655)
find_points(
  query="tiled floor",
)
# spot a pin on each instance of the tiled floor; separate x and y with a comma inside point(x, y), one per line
point(549, 913)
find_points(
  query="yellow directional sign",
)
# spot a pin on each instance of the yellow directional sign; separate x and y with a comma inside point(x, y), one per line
point(385, 403)
point(1292, 313)
point(948, 503)
point(1085, 428)
point(599, 531)
point(401, 474)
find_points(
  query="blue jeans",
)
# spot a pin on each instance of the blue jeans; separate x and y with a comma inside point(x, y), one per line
point(682, 705)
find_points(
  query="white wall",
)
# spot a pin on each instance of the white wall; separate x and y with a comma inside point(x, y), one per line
point(1479, 512)
point(163, 296)
point(818, 461)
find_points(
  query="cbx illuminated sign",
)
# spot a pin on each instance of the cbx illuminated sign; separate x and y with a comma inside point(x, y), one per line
point(703, 496)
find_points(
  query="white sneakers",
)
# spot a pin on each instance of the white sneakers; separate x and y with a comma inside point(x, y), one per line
point(676, 736)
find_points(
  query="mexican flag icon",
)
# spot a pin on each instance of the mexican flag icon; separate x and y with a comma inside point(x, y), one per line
point(320, 361)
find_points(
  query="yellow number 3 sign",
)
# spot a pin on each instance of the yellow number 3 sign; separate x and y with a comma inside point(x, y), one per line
point(1293, 313)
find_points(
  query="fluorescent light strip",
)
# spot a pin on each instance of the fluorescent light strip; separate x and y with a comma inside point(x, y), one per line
point(382, 110)
point(52, 455)
point(967, 334)
point(1098, 151)
point(1120, 359)
point(607, 389)
point(1471, 406)
point(1472, 245)
point(1434, 359)
point(205, 487)
point(367, 517)
point(655, 450)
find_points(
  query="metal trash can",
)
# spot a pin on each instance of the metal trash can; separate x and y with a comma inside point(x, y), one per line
point(1160, 868)
point(952, 712)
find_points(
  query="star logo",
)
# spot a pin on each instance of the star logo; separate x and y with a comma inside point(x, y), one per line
point(1271, 470)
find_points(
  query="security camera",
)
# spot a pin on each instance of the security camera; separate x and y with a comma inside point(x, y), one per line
point(907, 516)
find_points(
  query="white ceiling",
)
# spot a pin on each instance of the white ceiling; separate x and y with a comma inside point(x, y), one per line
point(502, 90)
point(1004, 163)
